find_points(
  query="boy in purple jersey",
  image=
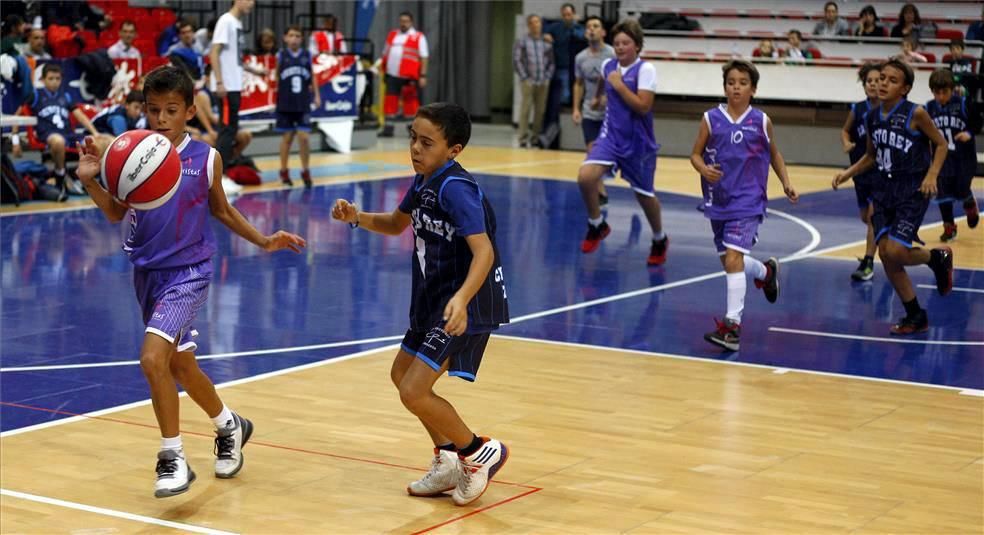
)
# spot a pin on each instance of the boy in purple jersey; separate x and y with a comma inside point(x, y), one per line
point(171, 249)
point(626, 142)
point(854, 141)
point(733, 151)
point(899, 137)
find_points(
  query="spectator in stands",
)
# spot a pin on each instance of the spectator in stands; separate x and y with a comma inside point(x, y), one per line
point(962, 67)
point(327, 40)
point(183, 53)
point(124, 49)
point(14, 30)
point(169, 37)
point(909, 22)
point(404, 62)
point(203, 37)
point(910, 50)
point(227, 77)
point(266, 43)
point(795, 53)
point(868, 24)
point(74, 14)
point(36, 45)
point(766, 49)
point(832, 23)
point(120, 118)
point(975, 32)
point(563, 35)
point(533, 62)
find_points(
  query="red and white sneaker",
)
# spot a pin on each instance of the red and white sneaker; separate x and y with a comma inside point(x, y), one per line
point(443, 475)
point(478, 469)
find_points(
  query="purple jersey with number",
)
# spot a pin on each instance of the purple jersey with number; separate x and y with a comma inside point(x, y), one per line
point(741, 149)
point(178, 233)
point(624, 130)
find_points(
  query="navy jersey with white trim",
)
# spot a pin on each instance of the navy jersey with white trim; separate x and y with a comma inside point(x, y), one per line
point(52, 111)
point(952, 118)
point(900, 149)
point(444, 210)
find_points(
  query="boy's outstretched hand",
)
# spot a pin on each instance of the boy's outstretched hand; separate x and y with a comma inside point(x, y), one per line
point(89, 162)
point(345, 211)
point(284, 240)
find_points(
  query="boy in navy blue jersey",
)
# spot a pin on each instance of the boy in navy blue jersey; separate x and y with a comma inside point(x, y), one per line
point(296, 89)
point(458, 297)
point(899, 136)
point(951, 115)
point(854, 139)
point(53, 106)
point(121, 118)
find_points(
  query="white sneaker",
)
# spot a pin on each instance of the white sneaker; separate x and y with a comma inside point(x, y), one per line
point(73, 186)
point(230, 187)
point(229, 442)
point(478, 469)
point(442, 476)
point(174, 476)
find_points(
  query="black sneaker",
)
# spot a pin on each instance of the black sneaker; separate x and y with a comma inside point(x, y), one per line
point(770, 286)
point(592, 240)
point(973, 215)
point(865, 271)
point(726, 335)
point(657, 252)
point(941, 262)
point(914, 324)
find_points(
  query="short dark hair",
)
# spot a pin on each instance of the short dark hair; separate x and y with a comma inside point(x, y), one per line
point(869, 9)
point(49, 68)
point(570, 5)
point(451, 119)
point(741, 65)
point(407, 14)
point(828, 4)
point(867, 68)
point(135, 95)
point(128, 22)
point(168, 78)
point(530, 17)
point(898, 63)
point(594, 17)
point(941, 79)
point(182, 22)
point(957, 41)
point(293, 27)
point(797, 32)
point(631, 28)
point(11, 22)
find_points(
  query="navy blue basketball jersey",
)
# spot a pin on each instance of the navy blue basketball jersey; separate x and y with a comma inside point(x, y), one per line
point(52, 111)
point(294, 81)
point(101, 120)
point(952, 119)
point(900, 149)
point(442, 257)
point(859, 131)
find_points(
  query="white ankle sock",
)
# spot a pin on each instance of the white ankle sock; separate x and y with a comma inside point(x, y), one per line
point(736, 296)
point(658, 236)
point(754, 268)
point(60, 172)
point(597, 221)
point(224, 419)
point(172, 443)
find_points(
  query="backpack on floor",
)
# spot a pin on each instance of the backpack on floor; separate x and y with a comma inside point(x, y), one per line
point(14, 187)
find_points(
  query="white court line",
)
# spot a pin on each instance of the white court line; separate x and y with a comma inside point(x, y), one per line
point(876, 338)
point(216, 356)
point(814, 233)
point(955, 288)
point(774, 369)
point(110, 512)
point(110, 410)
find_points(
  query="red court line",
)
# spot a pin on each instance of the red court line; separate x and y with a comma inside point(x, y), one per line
point(264, 444)
point(476, 511)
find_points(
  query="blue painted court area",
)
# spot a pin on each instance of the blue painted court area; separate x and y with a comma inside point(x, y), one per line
point(67, 295)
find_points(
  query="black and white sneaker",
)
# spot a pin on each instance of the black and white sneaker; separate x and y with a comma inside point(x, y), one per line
point(770, 286)
point(174, 476)
point(229, 442)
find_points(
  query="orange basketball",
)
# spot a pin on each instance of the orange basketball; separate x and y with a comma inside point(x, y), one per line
point(142, 169)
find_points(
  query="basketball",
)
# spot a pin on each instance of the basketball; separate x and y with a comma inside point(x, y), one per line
point(142, 169)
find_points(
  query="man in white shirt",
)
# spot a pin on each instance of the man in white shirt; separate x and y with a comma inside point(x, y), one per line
point(226, 55)
point(36, 45)
point(124, 49)
point(405, 63)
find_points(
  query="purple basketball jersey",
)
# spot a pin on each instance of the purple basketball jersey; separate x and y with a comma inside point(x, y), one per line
point(178, 233)
point(742, 150)
point(624, 130)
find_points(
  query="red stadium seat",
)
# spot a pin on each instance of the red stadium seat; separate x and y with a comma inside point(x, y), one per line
point(930, 57)
point(815, 52)
point(760, 13)
point(702, 56)
point(944, 33)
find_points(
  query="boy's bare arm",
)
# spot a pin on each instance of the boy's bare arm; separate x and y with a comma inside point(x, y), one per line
point(392, 224)
point(779, 165)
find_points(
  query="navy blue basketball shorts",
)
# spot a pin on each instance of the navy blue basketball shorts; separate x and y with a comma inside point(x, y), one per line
point(434, 347)
point(900, 219)
point(290, 121)
point(863, 189)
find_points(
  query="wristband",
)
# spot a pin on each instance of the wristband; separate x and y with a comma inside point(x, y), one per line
point(356, 224)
